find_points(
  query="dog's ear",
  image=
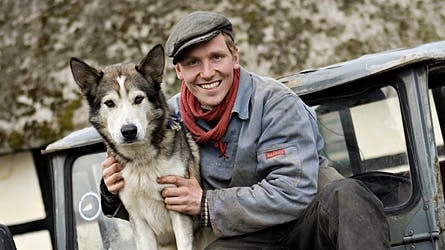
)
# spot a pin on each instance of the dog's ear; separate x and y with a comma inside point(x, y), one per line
point(152, 66)
point(85, 76)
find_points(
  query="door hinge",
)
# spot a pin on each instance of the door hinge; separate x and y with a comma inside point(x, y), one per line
point(421, 237)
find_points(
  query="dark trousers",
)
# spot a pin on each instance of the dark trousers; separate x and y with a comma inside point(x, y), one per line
point(344, 215)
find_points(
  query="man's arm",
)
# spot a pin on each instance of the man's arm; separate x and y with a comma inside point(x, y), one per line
point(111, 204)
point(110, 185)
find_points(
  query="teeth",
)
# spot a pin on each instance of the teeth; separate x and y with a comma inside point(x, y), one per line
point(210, 85)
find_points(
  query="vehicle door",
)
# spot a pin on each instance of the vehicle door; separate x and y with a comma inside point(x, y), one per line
point(380, 130)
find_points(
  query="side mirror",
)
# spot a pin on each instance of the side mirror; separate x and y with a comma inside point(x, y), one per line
point(6, 241)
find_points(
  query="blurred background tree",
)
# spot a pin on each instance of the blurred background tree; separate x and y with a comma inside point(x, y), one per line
point(41, 103)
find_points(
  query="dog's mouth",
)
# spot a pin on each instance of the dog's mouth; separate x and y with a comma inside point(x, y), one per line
point(131, 142)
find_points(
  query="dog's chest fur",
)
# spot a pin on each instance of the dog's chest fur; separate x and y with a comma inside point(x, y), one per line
point(142, 193)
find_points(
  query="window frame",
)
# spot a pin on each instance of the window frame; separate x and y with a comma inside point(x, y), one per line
point(365, 85)
point(72, 155)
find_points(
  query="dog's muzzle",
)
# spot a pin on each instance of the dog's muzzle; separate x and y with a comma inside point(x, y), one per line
point(129, 133)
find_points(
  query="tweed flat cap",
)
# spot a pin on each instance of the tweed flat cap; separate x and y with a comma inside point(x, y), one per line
point(199, 26)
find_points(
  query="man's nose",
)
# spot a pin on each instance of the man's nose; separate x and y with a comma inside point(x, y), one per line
point(207, 71)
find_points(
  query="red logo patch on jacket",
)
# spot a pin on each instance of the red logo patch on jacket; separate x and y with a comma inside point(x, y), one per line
point(275, 153)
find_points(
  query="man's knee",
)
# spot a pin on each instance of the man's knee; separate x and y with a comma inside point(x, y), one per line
point(327, 175)
point(349, 194)
point(345, 185)
point(355, 209)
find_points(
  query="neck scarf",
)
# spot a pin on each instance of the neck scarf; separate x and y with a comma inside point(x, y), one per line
point(191, 110)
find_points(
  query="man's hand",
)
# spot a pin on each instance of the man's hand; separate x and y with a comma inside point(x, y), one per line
point(185, 197)
point(112, 175)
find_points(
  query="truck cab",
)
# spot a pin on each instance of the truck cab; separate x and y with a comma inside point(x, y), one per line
point(383, 120)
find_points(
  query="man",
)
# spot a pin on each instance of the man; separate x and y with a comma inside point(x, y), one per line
point(260, 156)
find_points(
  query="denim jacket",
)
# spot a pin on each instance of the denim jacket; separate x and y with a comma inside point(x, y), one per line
point(273, 146)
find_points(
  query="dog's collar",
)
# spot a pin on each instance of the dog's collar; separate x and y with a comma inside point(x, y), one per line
point(174, 122)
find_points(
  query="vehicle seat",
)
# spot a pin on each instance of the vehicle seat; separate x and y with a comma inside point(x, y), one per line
point(391, 189)
point(6, 241)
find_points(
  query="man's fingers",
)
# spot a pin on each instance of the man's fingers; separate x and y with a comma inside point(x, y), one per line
point(174, 201)
point(116, 186)
point(172, 179)
point(110, 170)
point(108, 162)
point(178, 204)
point(178, 208)
point(174, 192)
point(113, 178)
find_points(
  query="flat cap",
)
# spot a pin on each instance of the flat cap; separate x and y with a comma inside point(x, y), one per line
point(199, 26)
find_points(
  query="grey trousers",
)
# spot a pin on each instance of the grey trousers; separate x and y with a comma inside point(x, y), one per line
point(344, 215)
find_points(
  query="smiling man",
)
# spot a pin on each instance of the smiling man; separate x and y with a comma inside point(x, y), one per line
point(260, 156)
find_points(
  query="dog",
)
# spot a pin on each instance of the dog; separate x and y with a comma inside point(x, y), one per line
point(130, 112)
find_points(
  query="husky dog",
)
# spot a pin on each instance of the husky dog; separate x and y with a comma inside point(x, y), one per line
point(130, 112)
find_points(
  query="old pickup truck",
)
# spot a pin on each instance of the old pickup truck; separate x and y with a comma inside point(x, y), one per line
point(383, 120)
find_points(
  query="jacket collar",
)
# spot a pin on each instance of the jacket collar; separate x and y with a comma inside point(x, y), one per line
point(242, 102)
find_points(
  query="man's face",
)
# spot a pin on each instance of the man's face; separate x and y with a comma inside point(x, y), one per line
point(207, 69)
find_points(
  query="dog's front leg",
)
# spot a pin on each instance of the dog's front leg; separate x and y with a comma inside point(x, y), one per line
point(143, 234)
point(183, 228)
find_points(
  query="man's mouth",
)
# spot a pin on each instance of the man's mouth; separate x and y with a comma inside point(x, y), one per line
point(211, 85)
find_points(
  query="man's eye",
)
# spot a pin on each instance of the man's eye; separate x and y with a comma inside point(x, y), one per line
point(109, 103)
point(192, 62)
point(138, 99)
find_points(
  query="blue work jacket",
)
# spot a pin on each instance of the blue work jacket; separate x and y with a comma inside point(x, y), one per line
point(273, 149)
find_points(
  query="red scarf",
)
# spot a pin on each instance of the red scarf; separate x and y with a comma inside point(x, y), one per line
point(191, 110)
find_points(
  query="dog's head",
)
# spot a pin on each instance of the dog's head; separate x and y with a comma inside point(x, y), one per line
point(126, 102)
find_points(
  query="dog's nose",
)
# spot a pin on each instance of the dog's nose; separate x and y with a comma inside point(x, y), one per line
point(129, 132)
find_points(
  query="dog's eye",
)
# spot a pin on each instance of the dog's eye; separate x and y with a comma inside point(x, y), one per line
point(138, 99)
point(109, 103)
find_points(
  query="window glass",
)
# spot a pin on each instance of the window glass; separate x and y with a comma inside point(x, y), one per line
point(436, 126)
point(21, 197)
point(40, 240)
point(93, 229)
point(365, 139)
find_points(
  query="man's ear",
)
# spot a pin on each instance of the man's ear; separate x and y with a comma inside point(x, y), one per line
point(235, 59)
point(179, 72)
point(152, 66)
point(85, 76)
